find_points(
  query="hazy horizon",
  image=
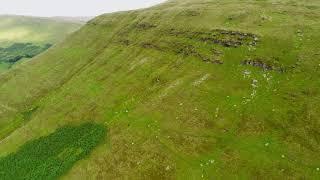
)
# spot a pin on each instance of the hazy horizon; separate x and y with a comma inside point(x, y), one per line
point(70, 8)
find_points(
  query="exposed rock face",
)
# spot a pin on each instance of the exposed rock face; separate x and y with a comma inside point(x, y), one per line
point(258, 63)
point(265, 65)
point(145, 26)
point(222, 37)
point(181, 42)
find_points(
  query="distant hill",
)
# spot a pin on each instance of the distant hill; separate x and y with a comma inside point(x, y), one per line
point(35, 29)
point(32, 35)
point(188, 89)
point(72, 19)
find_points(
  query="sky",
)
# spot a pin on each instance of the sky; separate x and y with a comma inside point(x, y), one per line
point(47, 8)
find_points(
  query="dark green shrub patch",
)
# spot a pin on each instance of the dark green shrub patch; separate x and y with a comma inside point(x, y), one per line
point(18, 51)
point(51, 156)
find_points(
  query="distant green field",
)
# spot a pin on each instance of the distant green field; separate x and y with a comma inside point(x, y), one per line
point(189, 89)
point(51, 156)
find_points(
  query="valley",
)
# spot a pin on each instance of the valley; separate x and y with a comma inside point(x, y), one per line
point(187, 89)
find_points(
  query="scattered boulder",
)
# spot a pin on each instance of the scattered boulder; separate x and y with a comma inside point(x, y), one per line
point(217, 61)
point(145, 26)
point(151, 45)
point(190, 13)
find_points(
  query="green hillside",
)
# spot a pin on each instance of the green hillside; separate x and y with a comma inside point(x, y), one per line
point(25, 37)
point(189, 89)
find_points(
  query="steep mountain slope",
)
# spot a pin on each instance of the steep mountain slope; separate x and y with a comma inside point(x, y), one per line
point(189, 89)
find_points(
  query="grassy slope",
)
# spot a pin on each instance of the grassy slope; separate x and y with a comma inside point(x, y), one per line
point(171, 115)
